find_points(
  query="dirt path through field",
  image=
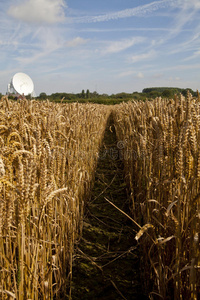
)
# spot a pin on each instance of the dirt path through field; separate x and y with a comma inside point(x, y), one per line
point(107, 258)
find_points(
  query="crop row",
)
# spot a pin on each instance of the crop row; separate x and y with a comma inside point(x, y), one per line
point(48, 156)
point(161, 153)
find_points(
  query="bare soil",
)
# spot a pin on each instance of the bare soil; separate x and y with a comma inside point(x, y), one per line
point(107, 258)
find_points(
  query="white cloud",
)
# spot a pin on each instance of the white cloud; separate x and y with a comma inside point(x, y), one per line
point(178, 67)
point(187, 11)
point(143, 56)
point(38, 11)
point(125, 29)
point(174, 78)
point(118, 46)
point(158, 75)
point(185, 4)
point(140, 75)
point(195, 55)
point(190, 3)
point(130, 73)
point(125, 74)
point(76, 42)
point(130, 12)
point(8, 43)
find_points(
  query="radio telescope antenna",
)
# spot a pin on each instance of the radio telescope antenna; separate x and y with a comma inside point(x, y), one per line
point(21, 84)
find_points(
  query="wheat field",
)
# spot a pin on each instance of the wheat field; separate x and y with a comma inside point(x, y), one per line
point(161, 153)
point(48, 156)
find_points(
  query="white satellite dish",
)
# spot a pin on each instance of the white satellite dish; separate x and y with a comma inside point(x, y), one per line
point(21, 84)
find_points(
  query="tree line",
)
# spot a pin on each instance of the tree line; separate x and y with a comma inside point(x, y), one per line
point(85, 96)
point(94, 97)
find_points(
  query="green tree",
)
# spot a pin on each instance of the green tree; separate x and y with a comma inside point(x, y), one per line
point(83, 94)
point(94, 94)
point(87, 94)
point(185, 91)
point(167, 93)
point(43, 95)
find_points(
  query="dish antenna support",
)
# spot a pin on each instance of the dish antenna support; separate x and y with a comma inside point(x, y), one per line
point(21, 85)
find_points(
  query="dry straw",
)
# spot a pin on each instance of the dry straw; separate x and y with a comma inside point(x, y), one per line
point(162, 169)
point(47, 164)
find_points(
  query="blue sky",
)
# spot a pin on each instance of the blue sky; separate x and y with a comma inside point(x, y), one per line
point(108, 46)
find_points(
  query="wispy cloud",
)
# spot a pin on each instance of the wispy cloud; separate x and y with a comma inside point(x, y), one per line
point(186, 13)
point(131, 73)
point(140, 75)
point(184, 4)
point(145, 43)
point(78, 41)
point(177, 67)
point(194, 4)
point(33, 47)
point(130, 12)
point(125, 73)
point(38, 11)
point(174, 78)
point(118, 46)
point(191, 44)
point(193, 56)
point(128, 29)
point(143, 56)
